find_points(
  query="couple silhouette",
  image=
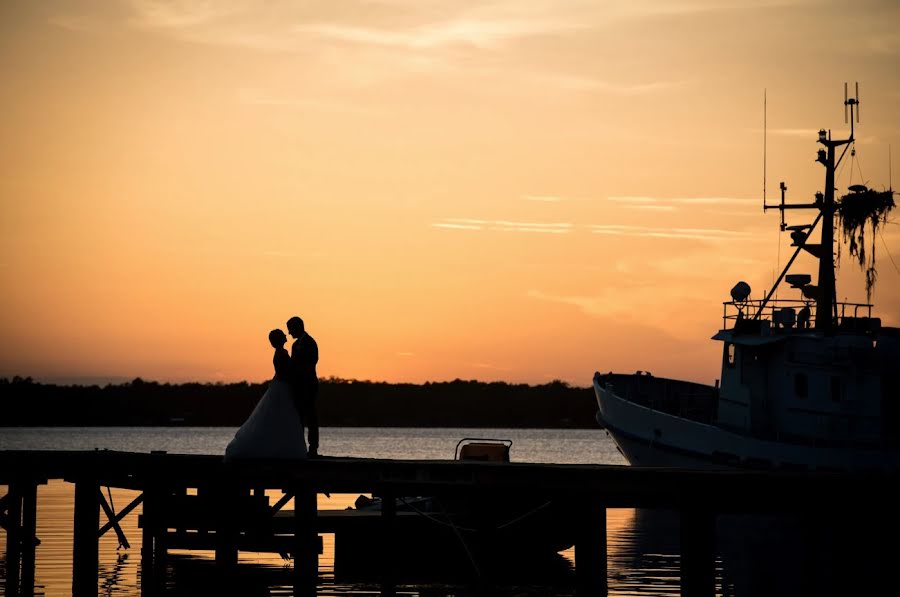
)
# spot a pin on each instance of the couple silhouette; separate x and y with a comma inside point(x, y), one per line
point(275, 428)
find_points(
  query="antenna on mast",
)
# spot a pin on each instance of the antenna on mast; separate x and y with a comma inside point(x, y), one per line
point(853, 104)
point(765, 130)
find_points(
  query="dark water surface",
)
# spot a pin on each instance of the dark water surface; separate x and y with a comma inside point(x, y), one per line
point(756, 556)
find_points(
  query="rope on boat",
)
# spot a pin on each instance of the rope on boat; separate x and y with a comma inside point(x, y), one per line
point(523, 516)
point(500, 527)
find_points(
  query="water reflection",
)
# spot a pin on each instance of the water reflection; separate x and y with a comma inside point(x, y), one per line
point(757, 556)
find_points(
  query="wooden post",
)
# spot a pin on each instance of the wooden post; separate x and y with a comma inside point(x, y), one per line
point(698, 553)
point(590, 550)
point(306, 552)
point(13, 538)
point(29, 535)
point(388, 549)
point(147, 564)
point(85, 549)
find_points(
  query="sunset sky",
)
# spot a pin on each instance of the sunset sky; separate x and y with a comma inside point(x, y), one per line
point(510, 190)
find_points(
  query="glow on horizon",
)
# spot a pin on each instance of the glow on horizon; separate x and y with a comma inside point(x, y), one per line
point(518, 191)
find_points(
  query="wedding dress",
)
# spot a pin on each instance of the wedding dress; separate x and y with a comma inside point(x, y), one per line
point(274, 428)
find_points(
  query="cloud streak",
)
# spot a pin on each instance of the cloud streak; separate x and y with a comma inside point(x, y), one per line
point(645, 201)
point(477, 32)
point(706, 234)
point(504, 226)
point(542, 198)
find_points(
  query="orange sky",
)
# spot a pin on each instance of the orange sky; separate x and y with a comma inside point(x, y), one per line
point(510, 190)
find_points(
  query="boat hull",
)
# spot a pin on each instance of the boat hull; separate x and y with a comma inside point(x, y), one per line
point(650, 437)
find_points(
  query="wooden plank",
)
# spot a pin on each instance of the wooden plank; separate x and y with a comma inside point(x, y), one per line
point(111, 516)
point(282, 501)
point(122, 514)
point(620, 486)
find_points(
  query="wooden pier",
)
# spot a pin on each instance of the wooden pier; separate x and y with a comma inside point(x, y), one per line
point(201, 502)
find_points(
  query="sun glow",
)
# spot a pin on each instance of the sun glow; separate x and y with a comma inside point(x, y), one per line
point(514, 191)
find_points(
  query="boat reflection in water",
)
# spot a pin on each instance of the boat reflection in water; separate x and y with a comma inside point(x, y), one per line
point(759, 555)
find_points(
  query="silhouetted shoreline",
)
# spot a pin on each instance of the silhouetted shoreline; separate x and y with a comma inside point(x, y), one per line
point(343, 403)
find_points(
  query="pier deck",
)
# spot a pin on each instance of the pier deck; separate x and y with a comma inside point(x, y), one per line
point(201, 502)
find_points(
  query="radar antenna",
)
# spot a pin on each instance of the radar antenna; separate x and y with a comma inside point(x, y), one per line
point(851, 103)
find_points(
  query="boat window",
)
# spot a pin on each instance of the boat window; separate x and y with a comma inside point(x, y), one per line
point(800, 385)
point(835, 388)
point(729, 354)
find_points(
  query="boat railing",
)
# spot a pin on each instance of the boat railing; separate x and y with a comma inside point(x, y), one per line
point(784, 315)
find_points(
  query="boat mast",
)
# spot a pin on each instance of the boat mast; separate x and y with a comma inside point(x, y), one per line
point(826, 293)
point(826, 303)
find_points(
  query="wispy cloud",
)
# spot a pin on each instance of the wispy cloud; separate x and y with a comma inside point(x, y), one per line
point(637, 200)
point(652, 207)
point(788, 132)
point(489, 366)
point(543, 198)
point(732, 205)
point(504, 226)
point(72, 22)
point(173, 14)
point(884, 44)
point(706, 234)
point(262, 98)
point(474, 31)
point(586, 83)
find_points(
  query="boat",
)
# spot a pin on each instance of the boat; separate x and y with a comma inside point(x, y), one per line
point(486, 532)
point(807, 383)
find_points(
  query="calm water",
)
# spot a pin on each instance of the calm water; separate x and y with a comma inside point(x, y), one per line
point(757, 556)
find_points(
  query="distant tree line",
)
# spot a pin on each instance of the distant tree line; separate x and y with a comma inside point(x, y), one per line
point(342, 403)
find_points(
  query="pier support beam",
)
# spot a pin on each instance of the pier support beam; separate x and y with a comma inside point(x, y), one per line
point(388, 551)
point(698, 553)
point(590, 550)
point(85, 549)
point(13, 522)
point(306, 541)
point(226, 527)
point(153, 546)
point(29, 536)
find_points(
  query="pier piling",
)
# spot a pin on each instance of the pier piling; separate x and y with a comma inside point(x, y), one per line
point(13, 537)
point(85, 547)
point(28, 536)
point(306, 553)
point(388, 551)
point(590, 551)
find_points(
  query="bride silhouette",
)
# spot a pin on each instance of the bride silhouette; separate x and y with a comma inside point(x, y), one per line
point(274, 428)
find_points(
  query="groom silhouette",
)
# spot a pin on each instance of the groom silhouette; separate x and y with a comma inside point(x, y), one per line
point(304, 356)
